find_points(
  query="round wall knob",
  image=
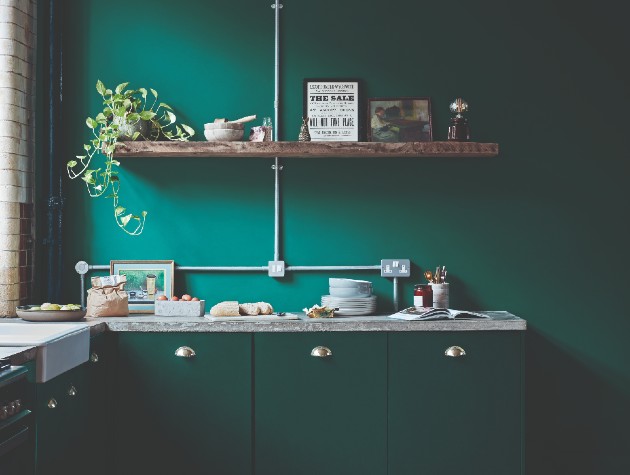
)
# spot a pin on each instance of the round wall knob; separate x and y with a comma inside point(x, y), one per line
point(4, 413)
point(185, 352)
point(12, 408)
point(72, 391)
point(93, 357)
point(52, 403)
point(455, 351)
point(321, 352)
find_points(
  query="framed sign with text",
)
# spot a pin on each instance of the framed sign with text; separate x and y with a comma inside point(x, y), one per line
point(333, 108)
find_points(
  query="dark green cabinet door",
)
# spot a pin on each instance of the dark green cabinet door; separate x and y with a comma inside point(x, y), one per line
point(321, 415)
point(183, 415)
point(455, 414)
point(61, 423)
point(100, 369)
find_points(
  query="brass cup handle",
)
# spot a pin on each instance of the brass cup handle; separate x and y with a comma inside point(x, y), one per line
point(72, 391)
point(52, 403)
point(321, 352)
point(185, 352)
point(94, 357)
point(455, 351)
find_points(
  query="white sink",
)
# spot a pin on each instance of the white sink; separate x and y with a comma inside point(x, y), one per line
point(60, 346)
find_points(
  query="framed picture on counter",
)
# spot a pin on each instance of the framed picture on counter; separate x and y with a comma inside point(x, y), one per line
point(146, 281)
point(399, 119)
point(333, 108)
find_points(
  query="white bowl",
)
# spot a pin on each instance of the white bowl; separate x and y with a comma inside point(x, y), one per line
point(350, 292)
point(223, 135)
point(351, 283)
point(223, 125)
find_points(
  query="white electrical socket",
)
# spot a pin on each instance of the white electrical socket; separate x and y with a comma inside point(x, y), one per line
point(276, 268)
point(395, 268)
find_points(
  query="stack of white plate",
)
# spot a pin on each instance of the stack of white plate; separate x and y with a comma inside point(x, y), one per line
point(350, 296)
point(351, 306)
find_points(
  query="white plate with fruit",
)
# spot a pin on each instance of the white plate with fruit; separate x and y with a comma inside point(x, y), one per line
point(51, 312)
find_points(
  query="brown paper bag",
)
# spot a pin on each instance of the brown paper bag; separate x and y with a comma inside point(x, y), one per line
point(109, 300)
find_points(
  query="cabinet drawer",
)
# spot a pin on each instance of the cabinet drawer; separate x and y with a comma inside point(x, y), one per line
point(455, 402)
point(322, 413)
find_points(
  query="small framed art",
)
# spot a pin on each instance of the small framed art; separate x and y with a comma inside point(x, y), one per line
point(333, 109)
point(399, 119)
point(146, 281)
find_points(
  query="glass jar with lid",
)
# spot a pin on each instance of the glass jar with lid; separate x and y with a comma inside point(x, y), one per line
point(422, 295)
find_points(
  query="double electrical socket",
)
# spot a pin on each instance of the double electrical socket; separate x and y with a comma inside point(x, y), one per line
point(276, 268)
point(395, 268)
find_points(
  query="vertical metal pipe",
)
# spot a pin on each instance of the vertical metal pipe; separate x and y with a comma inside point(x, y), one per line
point(276, 126)
point(58, 160)
point(396, 303)
point(53, 238)
point(82, 290)
point(276, 230)
point(276, 98)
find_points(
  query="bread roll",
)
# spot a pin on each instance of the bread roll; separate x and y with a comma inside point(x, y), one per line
point(249, 309)
point(264, 308)
point(225, 309)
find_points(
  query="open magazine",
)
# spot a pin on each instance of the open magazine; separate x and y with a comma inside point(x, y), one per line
point(430, 313)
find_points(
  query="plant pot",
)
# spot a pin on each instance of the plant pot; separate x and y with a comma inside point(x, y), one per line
point(127, 130)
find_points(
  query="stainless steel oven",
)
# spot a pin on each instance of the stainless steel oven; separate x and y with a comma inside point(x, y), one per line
point(16, 446)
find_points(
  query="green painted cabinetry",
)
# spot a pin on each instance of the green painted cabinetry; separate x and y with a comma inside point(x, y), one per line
point(177, 414)
point(61, 411)
point(316, 415)
point(455, 414)
point(100, 367)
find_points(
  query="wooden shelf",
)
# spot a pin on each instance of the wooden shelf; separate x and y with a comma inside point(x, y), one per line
point(307, 149)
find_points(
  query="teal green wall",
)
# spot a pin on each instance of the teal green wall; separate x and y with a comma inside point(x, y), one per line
point(540, 231)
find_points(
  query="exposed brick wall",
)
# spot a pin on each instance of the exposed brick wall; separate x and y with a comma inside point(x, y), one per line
point(18, 26)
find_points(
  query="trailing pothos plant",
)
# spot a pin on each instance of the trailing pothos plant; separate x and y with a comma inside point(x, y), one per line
point(128, 114)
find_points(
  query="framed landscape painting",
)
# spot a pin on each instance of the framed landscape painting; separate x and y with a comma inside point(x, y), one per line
point(146, 281)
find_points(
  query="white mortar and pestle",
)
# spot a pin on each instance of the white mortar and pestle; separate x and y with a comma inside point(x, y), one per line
point(222, 130)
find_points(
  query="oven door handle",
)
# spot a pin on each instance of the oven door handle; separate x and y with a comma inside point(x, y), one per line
point(15, 440)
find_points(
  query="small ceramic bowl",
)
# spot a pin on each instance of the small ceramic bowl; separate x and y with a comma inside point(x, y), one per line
point(223, 135)
point(351, 283)
point(223, 131)
point(347, 292)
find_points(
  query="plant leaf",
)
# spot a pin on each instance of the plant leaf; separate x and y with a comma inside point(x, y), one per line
point(125, 219)
point(135, 135)
point(188, 129)
point(147, 115)
point(166, 106)
point(100, 88)
point(171, 117)
point(120, 87)
point(144, 214)
point(114, 178)
point(154, 92)
point(72, 163)
point(119, 210)
point(91, 123)
point(80, 157)
point(133, 117)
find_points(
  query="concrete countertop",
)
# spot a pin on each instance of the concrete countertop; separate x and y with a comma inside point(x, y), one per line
point(150, 323)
